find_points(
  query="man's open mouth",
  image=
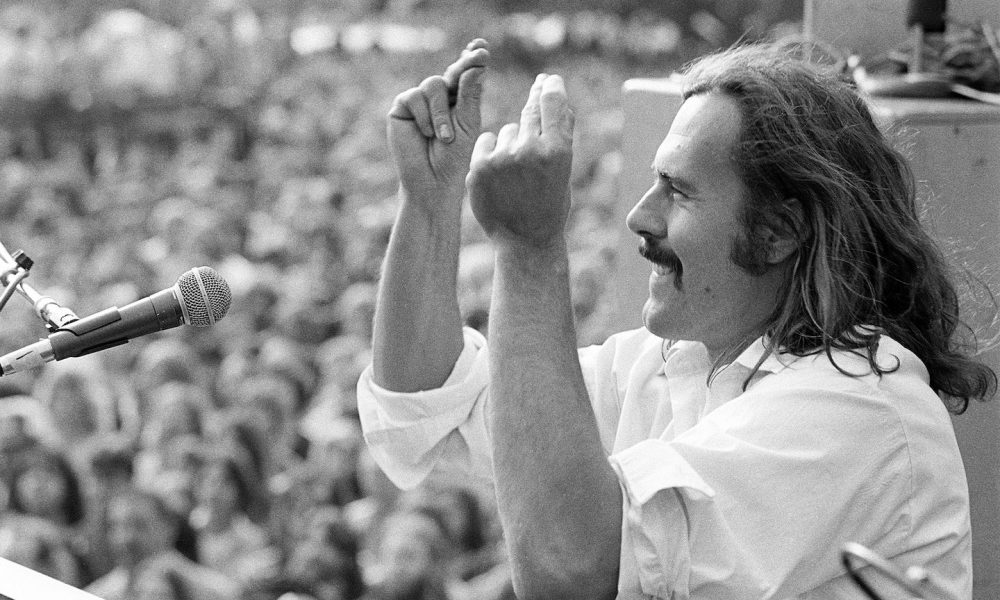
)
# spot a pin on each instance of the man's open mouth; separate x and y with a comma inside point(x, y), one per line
point(665, 262)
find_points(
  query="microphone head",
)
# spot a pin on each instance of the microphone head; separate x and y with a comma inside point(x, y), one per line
point(929, 14)
point(204, 296)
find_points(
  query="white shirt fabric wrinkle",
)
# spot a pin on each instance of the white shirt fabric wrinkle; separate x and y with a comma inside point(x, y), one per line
point(730, 493)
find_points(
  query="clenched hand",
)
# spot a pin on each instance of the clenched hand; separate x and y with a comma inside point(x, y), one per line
point(432, 128)
point(519, 178)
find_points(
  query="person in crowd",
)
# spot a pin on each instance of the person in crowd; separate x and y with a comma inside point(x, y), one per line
point(42, 546)
point(45, 485)
point(477, 565)
point(229, 541)
point(340, 361)
point(790, 390)
point(334, 457)
point(286, 358)
point(298, 495)
point(46, 490)
point(244, 433)
point(35, 542)
point(143, 531)
point(272, 400)
point(282, 588)
point(407, 557)
point(81, 406)
point(475, 284)
point(327, 558)
point(25, 427)
point(161, 361)
point(379, 495)
point(109, 470)
point(171, 440)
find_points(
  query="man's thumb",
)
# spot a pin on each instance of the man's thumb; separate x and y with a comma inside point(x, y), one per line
point(470, 92)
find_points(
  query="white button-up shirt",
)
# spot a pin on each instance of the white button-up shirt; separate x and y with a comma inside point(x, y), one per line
point(731, 493)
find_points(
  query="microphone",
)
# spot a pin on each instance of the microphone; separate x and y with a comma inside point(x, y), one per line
point(928, 14)
point(200, 298)
point(924, 16)
point(916, 581)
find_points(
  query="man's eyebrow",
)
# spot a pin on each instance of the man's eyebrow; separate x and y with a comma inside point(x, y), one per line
point(675, 182)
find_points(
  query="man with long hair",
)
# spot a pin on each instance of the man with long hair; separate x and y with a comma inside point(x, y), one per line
point(790, 390)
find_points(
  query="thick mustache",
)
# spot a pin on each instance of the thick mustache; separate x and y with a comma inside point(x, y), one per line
point(660, 255)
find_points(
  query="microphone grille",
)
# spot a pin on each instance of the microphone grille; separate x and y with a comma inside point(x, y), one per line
point(205, 296)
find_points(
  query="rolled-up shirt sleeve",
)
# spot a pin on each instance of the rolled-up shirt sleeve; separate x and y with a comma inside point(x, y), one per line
point(671, 519)
point(411, 435)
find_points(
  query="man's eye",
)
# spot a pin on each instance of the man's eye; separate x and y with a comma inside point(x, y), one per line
point(665, 180)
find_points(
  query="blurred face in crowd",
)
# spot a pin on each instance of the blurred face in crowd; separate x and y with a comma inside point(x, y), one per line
point(322, 566)
point(42, 490)
point(409, 552)
point(138, 529)
point(72, 411)
point(688, 223)
point(105, 480)
point(218, 491)
point(13, 431)
point(374, 482)
point(156, 586)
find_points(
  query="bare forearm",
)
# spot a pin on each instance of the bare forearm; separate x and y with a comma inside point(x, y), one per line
point(559, 500)
point(430, 129)
point(417, 332)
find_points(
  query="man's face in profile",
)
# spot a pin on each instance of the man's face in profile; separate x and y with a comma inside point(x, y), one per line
point(688, 222)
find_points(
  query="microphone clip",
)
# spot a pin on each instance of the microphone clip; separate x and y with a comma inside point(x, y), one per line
point(54, 315)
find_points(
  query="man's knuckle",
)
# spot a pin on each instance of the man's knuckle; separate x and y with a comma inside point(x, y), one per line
point(407, 96)
point(435, 83)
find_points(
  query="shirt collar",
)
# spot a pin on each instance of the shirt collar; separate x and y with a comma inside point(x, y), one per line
point(685, 358)
point(772, 361)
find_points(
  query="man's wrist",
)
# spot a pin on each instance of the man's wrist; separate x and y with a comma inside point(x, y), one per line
point(431, 191)
point(437, 209)
point(550, 257)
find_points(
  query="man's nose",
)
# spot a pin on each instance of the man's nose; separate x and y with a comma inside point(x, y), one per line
point(648, 217)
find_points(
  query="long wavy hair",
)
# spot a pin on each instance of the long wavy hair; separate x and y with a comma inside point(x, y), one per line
point(864, 265)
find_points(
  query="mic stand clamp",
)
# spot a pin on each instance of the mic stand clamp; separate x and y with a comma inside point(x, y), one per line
point(49, 310)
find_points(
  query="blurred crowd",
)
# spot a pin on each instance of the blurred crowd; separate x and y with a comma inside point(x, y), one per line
point(227, 463)
point(245, 481)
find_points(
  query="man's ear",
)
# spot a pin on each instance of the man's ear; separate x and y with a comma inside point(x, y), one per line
point(786, 234)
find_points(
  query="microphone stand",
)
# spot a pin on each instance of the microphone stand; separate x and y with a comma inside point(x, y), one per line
point(54, 315)
point(924, 16)
point(916, 581)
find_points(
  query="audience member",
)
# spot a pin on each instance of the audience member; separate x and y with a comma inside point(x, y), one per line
point(109, 470)
point(407, 558)
point(327, 559)
point(174, 418)
point(144, 533)
point(45, 485)
point(79, 402)
point(40, 545)
point(229, 541)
